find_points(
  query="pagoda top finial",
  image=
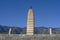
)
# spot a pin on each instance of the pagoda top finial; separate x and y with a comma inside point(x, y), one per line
point(30, 7)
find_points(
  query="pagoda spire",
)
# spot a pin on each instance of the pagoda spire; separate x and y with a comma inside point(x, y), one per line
point(30, 7)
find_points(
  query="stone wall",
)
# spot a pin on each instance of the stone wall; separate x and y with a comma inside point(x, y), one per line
point(34, 37)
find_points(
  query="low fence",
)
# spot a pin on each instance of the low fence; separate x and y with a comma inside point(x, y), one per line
point(27, 37)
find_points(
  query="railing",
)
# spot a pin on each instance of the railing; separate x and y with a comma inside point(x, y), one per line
point(31, 37)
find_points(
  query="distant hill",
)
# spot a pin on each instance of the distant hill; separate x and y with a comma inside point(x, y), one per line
point(19, 30)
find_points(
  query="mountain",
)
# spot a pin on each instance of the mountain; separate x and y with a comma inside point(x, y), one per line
point(19, 30)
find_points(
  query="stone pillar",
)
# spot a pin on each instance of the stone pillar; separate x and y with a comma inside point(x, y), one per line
point(50, 31)
point(30, 22)
point(10, 31)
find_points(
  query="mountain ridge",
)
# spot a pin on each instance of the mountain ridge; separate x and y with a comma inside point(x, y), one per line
point(20, 30)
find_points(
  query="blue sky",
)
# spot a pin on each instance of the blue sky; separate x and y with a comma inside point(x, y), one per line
point(14, 12)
